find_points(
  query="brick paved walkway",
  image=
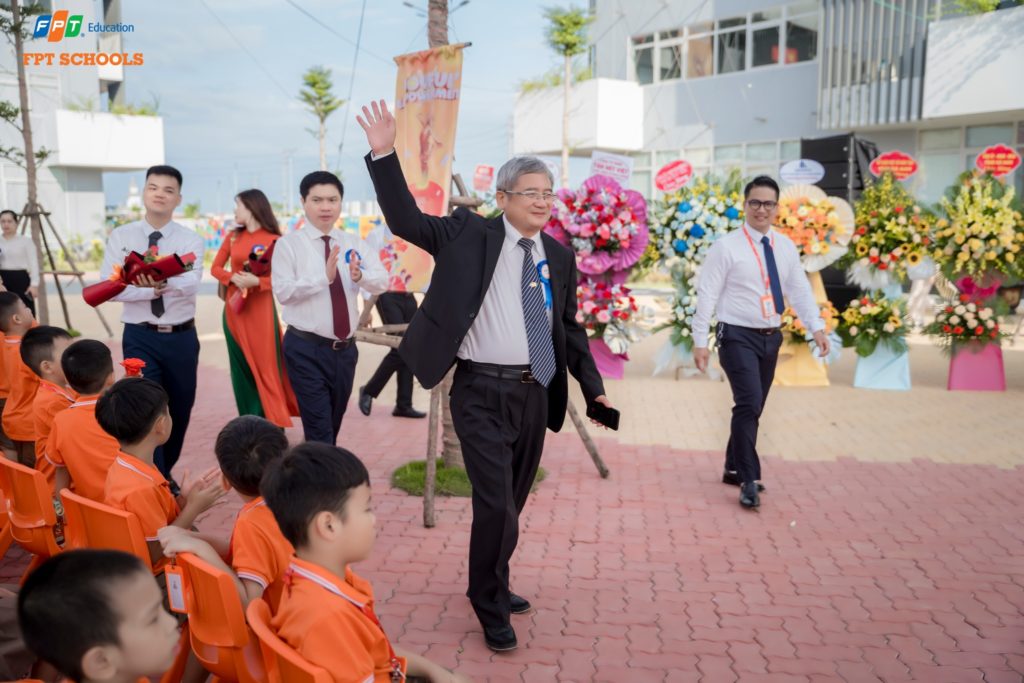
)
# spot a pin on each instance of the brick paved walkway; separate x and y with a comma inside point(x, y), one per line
point(851, 571)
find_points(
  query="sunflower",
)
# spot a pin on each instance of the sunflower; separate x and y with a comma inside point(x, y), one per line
point(913, 258)
point(862, 249)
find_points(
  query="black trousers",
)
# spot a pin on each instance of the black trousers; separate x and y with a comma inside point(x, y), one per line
point(501, 425)
point(748, 358)
point(395, 308)
point(172, 361)
point(18, 281)
point(322, 380)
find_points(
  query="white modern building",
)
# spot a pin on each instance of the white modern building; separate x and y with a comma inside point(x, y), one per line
point(70, 113)
point(738, 83)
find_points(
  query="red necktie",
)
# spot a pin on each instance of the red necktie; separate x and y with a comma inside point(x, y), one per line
point(339, 305)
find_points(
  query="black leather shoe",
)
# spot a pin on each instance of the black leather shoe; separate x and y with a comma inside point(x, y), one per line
point(748, 496)
point(365, 402)
point(408, 412)
point(732, 479)
point(518, 604)
point(500, 638)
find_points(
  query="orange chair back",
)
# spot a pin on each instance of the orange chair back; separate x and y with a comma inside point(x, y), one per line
point(5, 524)
point(284, 665)
point(95, 525)
point(221, 639)
point(30, 513)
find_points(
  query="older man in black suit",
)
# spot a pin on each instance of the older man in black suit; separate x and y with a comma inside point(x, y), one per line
point(502, 307)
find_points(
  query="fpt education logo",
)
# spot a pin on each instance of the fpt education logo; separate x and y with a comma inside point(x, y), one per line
point(62, 24)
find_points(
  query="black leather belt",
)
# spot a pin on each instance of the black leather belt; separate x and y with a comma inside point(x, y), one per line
point(759, 330)
point(167, 329)
point(335, 344)
point(518, 373)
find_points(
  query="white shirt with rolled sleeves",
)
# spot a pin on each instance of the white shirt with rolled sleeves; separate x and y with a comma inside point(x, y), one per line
point(730, 284)
point(18, 252)
point(299, 276)
point(181, 290)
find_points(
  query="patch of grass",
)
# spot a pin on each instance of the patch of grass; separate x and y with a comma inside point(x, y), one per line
point(451, 481)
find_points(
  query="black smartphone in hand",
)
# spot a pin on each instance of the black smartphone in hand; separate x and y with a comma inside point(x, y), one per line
point(609, 417)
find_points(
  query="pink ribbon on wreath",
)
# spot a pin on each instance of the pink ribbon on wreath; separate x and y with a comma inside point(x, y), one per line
point(967, 285)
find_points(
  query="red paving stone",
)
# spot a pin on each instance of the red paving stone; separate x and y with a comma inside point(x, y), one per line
point(850, 571)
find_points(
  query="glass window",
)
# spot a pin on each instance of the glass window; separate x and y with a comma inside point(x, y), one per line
point(801, 7)
point(698, 155)
point(789, 150)
point(801, 39)
point(669, 35)
point(701, 27)
point(665, 157)
point(642, 40)
point(761, 151)
point(942, 138)
point(642, 159)
point(1020, 133)
point(641, 182)
point(732, 23)
point(766, 46)
point(671, 64)
point(752, 171)
point(644, 61)
point(728, 153)
point(699, 57)
point(983, 136)
point(767, 15)
point(937, 171)
point(732, 51)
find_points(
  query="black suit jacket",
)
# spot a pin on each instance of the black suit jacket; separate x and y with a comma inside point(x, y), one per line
point(465, 247)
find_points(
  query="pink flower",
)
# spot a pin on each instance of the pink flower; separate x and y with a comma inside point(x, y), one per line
point(579, 316)
point(588, 307)
point(603, 316)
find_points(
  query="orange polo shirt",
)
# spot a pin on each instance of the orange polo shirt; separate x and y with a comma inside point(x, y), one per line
point(138, 487)
point(78, 443)
point(5, 384)
point(50, 400)
point(321, 616)
point(259, 551)
point(18, 422)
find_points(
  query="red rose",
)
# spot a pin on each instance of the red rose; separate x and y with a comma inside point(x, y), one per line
point(947, 329)
point(893, 257)
point(964, 298)
point(898, 209)
point(133, 367)
point(873, 259)
point(925, 240)
point(993, 334)
point(874, 214)
point(862, 230)
point(949, 309)
point(883, 266)
point(958, 330)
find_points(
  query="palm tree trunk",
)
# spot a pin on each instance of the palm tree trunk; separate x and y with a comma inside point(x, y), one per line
point(323, 146)
point(566, 89)
point(437, 22)
point(30, 161)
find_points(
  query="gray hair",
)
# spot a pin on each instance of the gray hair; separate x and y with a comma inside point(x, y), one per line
point(514, 168)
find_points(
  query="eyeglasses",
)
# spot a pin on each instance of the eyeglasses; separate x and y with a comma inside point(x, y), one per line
point(757, 205)
point(532, 196)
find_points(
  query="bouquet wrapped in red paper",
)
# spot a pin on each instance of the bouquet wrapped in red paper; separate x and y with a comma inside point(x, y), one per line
point(151, 264)
point(258, 264)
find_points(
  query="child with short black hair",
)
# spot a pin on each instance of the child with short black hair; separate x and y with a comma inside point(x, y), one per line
point(134, 411)
point(97, 615)
point(15, 320)
point(79, 449)
point(41, 351)
point(258, 552)
point(320, 496)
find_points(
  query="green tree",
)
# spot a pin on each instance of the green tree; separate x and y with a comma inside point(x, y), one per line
point(566, 34)
point(320, 101)
point(191, 210)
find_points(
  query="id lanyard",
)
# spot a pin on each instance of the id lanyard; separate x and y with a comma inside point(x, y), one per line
point(768, 300)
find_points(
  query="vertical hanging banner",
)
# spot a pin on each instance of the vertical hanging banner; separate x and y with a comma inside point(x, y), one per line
point(426, 112)
point(427, 94)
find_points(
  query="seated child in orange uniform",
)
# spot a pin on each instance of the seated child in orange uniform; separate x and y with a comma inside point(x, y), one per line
point(41, 349)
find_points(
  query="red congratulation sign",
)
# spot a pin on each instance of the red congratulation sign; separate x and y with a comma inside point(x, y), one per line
point(998, 160)
point(673, 176)
point(900, 164)
point(483, 176)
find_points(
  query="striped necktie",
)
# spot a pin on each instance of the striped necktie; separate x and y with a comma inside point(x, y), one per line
point(538, 329)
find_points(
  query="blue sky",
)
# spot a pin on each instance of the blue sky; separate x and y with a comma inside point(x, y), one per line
point(229, 115)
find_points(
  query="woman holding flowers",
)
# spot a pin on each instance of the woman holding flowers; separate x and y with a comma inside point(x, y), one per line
point(251, 324)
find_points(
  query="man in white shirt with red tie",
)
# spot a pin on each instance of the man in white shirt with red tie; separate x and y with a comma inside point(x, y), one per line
point(317, 273)
point(743, 281)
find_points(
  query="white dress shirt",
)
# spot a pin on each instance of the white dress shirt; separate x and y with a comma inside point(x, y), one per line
point(731, 285)
point(180, 292)
point(18, 252)
point(498, 335)
point(376, 240)
point(299, 277)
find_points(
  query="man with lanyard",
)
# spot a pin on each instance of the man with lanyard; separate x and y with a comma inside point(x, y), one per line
point(743, 281)
point(159, 317)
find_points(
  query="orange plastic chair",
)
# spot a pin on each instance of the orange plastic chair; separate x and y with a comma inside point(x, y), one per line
point(95, 525)
point(283, 664)
point(5, 523)
point(221, 639)
point(31, 514)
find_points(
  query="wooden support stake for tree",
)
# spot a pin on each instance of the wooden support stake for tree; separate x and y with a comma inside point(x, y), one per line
point(588, 443)
point(430, 476)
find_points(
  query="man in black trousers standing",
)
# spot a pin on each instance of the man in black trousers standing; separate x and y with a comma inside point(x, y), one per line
point(744, 280)
point(486, 312)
